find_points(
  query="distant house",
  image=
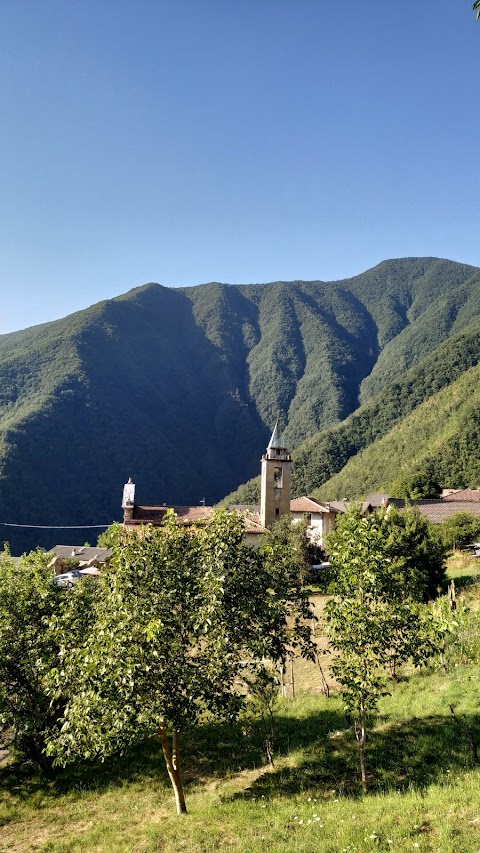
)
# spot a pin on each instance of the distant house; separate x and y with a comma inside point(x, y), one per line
point(374, 501)
point(320, 517)
point(435, 509)
point(135, 516)
point(462, 495)
point(87, 559)
point(442, 508)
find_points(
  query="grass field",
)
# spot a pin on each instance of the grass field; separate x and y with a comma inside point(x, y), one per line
point(424, 787)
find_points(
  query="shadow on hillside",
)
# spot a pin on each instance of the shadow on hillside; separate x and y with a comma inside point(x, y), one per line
point(208, 751)
point(418, 752)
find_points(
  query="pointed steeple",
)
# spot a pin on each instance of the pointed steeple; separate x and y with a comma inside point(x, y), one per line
point(276, 441)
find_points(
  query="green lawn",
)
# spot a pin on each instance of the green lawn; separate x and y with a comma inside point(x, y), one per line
point(463, 568)
point(424, 787)
point(425, 792)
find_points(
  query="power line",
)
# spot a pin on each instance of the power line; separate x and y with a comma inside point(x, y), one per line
point(54, 526)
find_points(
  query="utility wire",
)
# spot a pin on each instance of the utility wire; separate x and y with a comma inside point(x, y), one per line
point(54, 526)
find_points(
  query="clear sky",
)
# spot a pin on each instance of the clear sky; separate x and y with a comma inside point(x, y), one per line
point(184, 141)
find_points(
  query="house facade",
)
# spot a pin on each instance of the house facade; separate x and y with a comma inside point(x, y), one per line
point(319, 515)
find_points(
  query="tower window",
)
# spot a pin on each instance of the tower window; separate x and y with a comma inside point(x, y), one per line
point(278, 478)
point(277, 511)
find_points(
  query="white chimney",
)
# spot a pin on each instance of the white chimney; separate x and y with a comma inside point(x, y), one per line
point(128, 494)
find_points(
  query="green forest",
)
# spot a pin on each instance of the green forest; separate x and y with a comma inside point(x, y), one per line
point(179, 389)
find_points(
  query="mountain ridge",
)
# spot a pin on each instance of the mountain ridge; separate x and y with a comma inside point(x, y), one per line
point(179, 388)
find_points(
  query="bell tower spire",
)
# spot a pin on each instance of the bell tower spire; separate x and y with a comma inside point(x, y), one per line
point(276, 474)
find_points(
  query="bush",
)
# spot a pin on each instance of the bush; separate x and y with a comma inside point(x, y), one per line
point(460, 530)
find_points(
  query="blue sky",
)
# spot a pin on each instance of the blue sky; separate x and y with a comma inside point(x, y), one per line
point(230, 140)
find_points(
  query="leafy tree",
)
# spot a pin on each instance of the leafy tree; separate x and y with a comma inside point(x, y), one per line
point(290, 542)
point(374, 622)
point(417, 486)
point(418, 551)
point(28, 601)
point(460, 529)
point(182, 612)
point(111, 536)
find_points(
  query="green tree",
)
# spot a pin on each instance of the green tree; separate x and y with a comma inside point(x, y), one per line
point(28, 601)
point(417, 486)
point(418, 551)
point(183, 611)
point(291, 545)
point(460, 530)
point(374, 622)
point(110, 536)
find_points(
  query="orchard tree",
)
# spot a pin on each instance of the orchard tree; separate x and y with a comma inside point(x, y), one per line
point(375, 622)
point(416, 546)
point(460, 530)
point(111, 535)
point(417, 486)
point(184, 611)
point(28, 601)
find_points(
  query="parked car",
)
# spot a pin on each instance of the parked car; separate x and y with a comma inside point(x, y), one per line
point(318, 567)
point(67, 579)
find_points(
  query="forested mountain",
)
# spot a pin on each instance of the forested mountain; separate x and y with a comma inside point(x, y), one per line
point(179, 388)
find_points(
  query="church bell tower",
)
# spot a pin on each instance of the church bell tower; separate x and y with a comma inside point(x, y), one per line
point(275, 487)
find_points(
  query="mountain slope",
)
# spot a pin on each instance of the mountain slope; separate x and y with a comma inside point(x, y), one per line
point(443, 434)
point(325, 454)
point(179, 388)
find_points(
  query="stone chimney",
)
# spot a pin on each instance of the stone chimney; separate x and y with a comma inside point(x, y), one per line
point(128, 501)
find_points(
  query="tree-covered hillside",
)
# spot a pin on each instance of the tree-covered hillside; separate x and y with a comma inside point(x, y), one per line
point(326, 454)
point(441, 435)
point(179, 388)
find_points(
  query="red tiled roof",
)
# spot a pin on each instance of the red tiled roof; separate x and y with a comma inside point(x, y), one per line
point(438, 510)
point(187, 515)
point(252, 523)
point(306, 504)
point(156, 514)
point(463, 495)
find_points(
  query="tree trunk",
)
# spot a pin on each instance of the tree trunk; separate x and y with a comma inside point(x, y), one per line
point(172, 761)
point(361, 735)
point(292, 678)
point(325, 686)
point(283, 688)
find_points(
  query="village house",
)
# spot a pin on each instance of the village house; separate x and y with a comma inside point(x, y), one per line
point(83, 557)
point(435, 509)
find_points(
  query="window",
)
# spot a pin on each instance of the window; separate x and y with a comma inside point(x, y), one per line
point(278, 478)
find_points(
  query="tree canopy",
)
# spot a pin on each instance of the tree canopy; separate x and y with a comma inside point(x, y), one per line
point(28, 648)
point(375, 622)
point(182, 612)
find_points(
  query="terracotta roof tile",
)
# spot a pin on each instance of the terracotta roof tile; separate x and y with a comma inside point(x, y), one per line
point(187, 515)
point(438, 510)
point(306, 504)
point(464, 495)
point(156, 514)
